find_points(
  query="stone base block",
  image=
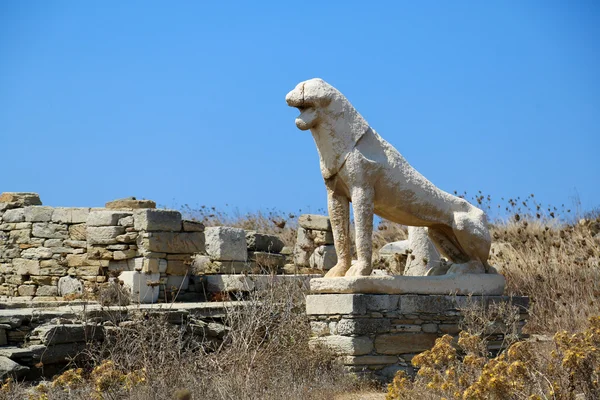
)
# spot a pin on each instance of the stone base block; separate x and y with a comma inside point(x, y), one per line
point(144, 287)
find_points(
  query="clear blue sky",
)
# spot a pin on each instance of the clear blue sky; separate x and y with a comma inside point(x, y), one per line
point(183, 102)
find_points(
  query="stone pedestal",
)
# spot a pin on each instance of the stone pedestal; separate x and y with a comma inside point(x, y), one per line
point(379, 334)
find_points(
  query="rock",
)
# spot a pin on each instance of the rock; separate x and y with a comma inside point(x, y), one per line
point(26, 267)
point(225, 243)
point(15, 215)
point(53, 242)
point(323, 258)
point(321, 238)
point(178, 267)
point(316, 222)
point(37, 253)
point(175, 242)
point(69, 285)
point(124, 254)
point(47, 291)
point(129, 237)
point(369, 360)
point(304, 248)
point(130, 203)
point(231, 267)
point(126, 221)
point(363, 326)
point(70, 215)
point(266, 261)
point(27, 290)
point(21, 199)
point(400, 343)
point(78, 232)
point(179, 282)
point(104, 234)
point(144, 287)
point(66, 333)
point(192, 226)
point(345, 345)
point(157, 220)
point(201, 265)
point(50, 230)
point(38, 213)
point(262, 242)
point(400, 247)
point(9, 368)
point(105, 217)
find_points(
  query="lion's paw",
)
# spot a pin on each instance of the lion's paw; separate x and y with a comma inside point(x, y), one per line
point(336, 272)
point(359, 269)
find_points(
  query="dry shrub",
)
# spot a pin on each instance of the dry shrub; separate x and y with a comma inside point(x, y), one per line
point(264, 355)
point(563, 369)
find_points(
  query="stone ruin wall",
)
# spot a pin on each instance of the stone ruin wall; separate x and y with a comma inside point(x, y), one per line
point(50, 252)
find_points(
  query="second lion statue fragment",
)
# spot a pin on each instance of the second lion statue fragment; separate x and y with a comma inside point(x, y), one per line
point(359, 166)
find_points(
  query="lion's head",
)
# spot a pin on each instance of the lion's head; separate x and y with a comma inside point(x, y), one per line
point(310, 97)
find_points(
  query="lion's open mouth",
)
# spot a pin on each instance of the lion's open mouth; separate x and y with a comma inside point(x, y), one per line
point(306, 118)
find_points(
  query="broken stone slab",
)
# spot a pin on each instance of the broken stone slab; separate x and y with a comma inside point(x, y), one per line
point(192, 226)
point(105, 217)
point(157, 220)
point(21, 199)
point(262, 242)
point(461, 284)
point(175, 242)
point(314, 221)
point(268, 261)
point(66, 333)
point(130, 203)
point(9, 368)
point(226, 243)
point(323, 258)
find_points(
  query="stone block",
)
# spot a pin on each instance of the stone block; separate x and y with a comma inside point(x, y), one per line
point(266, 261)
point(321, 238)
point(329, 304)
point(144, 288)
point(21, 199)
point(316, 222)
point(225, 243)
point(126, 221)
point(345, 345)
point(429, 328)
point(129, 237)
point(104, 234)
point(105, 217)
point(20, 236)
point(157, 220)
point(363, 326)
point(408, 328)
point(323, 258)
point(369, 360)
point(47, 290)
point(38, 213)
point(262, 242)
point(178, 267)
point(66, 333)
point(154, 265)
point(50, 230)
point(178, 282)
point(381, 302)
point(400, 343)
point(231, 267)
point(9, 368)
point(201, 265)
point(130, 203)
point(53, 243)
point(176, 242)
point(64, 215)
point(26, 267)
point(88, 270)
point(14, 215)
point(37, 253)
point(78, 232)
point(124, 254)
point(69, 285)
point(192, 226)
point(27, 290)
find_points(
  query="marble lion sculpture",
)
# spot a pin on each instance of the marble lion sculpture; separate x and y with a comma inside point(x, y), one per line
point(359, 166)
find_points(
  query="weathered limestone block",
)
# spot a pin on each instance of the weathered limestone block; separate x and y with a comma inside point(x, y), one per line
point(52, 268)
point(129, 237)
point(335, 304)
point(78, 232)
point(262, 242)
point(267, 261)
point(53, 243)
point(85, 271)
point(37, 253)
point(178, 282)
point(154, 265)
point(27, 290)
point(304, 248)
point(201, 265)
point(26, 267)
point(38, 213)
point(58, 353)
point(174, 242)
point(231, 267)
point(21, 199)
point(178, 267)
point(69, 285)
point(226, 243)
point(345, 345)
point(126, 221)
point(78, 244)
point(104, 234)
point(124, 254)
point(14, 215)
point(105, 217)
point(323, 258)
point(321, 238)
point(130, 203)
point(363, 326)
point(399, 343)
point(316, 222)
point(47, 290)
point(20, 236)
point(192, 226)
point(369, 360)
point(50, 230)
point(144, 287)
point(64, 215)
point(157, 220)
point(66, 333)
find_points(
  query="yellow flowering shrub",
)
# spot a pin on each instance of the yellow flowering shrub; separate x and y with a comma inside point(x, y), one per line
point(457, 369)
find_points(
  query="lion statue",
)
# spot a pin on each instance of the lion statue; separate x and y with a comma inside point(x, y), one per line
point(359, 166)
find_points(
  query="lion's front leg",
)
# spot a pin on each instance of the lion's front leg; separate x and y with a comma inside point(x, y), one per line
point(339, 214)
point(362, 202)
